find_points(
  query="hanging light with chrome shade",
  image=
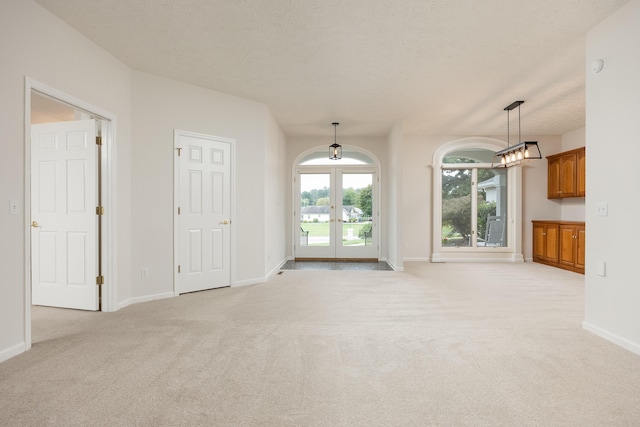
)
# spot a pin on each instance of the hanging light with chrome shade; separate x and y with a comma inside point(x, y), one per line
point(515, 154)
point(335, 149)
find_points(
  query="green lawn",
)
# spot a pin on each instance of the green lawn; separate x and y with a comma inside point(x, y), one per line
point(322, 228)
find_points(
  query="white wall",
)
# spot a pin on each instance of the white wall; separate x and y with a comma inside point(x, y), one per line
point(275, 190)
point(393, 183)
point(613, 126)
point(299, 144)
point(161, 105)
point(34, 43)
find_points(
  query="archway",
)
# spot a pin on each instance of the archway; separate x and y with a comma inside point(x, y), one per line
point(336, 205)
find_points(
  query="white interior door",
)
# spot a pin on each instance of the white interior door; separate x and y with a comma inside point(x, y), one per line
point(63, 214)
point(336, 214)
point(204, 212)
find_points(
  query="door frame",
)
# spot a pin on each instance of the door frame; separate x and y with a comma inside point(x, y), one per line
point(109, 197)
point(176, 202)
point(375, 168)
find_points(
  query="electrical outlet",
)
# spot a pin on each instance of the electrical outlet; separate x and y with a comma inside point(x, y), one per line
point(601, 269)
point(144, 273)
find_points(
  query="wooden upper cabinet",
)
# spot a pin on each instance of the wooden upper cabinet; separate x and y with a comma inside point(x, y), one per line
point(581, 173)
point(566, 174)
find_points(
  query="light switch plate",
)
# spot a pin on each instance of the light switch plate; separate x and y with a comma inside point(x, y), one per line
point(602, 209)
point(13, 207)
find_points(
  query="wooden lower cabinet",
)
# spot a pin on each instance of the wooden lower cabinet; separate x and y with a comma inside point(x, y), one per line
point(560, 244)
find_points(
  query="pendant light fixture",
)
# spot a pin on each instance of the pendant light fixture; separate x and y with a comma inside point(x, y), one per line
point(335, 149)
point(515, 154)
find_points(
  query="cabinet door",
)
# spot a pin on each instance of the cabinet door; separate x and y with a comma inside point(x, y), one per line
point(581, 175)
point(539, 241)
point(553, 179)
point(581, 239)
point(568, 245)
point(568, 175)
point(551, 243)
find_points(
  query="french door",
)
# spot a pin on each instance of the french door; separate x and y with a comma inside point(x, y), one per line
point(336, 214)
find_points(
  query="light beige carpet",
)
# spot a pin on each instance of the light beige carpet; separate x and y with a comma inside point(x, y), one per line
point(436, 345)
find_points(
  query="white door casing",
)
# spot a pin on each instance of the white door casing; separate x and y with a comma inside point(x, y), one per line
point(334, 248)
point(63, 215)
point(203, 211)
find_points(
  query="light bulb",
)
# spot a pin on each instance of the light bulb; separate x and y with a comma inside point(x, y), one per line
point(519, 156)
point(513, 157)
point(503, 160)
point(526, 153)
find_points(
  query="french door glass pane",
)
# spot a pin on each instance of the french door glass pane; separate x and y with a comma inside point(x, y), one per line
point(357, 195)
point(456, 207)
point(315, 209)
point(492, 207)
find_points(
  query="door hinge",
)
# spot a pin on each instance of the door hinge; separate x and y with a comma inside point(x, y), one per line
point(178, 268)
point(178, 210)
point(99, 210)
point(98, 140)
point(179, 150)
point(99, 280)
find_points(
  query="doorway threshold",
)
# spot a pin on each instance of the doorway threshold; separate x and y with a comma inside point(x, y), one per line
point(355, 265)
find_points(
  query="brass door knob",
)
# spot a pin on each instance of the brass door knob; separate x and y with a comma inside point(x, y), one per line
point(225, 222)
point(34, 224)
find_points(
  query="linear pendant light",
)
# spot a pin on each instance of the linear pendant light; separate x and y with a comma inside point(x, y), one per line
point(515, 154)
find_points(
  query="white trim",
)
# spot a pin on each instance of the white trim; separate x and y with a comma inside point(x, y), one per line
point(512, 258)
point(109, 193)
point(393, 266)
point(13, 351)
point(248, 282)
point(146, 298)
point(514, 207)
point(416, 259)
point(616, 339)
point(374, 169)
point(176, 201)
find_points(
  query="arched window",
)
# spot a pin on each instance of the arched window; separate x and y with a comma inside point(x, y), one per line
point(349, 157)
point(475, 207)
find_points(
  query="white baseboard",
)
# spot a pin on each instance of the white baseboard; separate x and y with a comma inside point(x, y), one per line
point(12, 351)
point(622, 342)
point(146, 298)
point(394, 267)
point(258, 280)
point(248, 282)
point(416, 259)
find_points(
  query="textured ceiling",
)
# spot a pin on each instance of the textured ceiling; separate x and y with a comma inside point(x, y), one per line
point(445, 67)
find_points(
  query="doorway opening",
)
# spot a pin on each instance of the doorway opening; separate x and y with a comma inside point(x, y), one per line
point(69, 203)
point(336, 211)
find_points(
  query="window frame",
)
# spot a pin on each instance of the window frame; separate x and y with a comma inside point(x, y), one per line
point(512, 251)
